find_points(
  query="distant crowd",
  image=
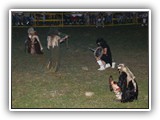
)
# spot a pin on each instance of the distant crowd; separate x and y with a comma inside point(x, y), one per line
point(77, 18)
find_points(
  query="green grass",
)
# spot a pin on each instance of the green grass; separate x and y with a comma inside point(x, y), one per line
point(33, 86)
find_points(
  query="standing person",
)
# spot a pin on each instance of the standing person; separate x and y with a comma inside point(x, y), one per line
point(105, 60)
point(53, 44)
point(100, 20)
point(33, 44)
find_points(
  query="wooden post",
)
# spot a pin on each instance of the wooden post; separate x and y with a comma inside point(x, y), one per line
point(67, 43)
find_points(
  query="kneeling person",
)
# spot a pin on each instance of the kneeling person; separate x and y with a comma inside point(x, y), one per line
point(105, 60)
point(126, 89)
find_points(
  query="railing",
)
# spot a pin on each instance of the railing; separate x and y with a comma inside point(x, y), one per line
point(78, 19)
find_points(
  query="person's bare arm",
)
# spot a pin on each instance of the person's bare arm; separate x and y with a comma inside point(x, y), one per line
point(105, 51)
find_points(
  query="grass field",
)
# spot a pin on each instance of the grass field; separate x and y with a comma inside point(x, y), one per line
point(33, 86)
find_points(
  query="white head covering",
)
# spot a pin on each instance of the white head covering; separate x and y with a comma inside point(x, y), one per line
point(31, 30)
point(130, 75)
